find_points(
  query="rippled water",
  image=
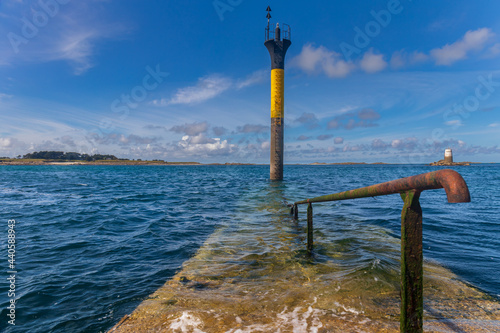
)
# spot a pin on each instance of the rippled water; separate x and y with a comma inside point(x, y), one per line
point(93, 242)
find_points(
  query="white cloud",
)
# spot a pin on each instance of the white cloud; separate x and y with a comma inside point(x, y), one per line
point(418, 57)
point(475, 40)
point(211, 86)
point(338, 140)
point(249, 128)
point(5, 142)
point(207, 88)
point(193, 129)
point(401, 59)
point(12, 146)
point(373, 63)
point(265, 145)
point(398, 60)
point(494, 50)
point(71, 34)
point(351, 120)
point(494, 125)
point(313, 60)
point(253, 79)
point(472, 41)
point(308, 119)
point(76, 47)
point(68, 141)
point(200, 145)
point(396, 143)
point(160, 102)
point(303, 138)
point(455, 123)
point(119, 139)
point(5, 96)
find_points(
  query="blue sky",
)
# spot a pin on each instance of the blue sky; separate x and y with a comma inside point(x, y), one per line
point(375, 81)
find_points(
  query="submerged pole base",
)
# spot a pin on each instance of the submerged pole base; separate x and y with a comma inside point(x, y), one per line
point(276, 165)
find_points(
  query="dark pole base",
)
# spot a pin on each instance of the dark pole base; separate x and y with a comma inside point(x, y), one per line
point(277, 148)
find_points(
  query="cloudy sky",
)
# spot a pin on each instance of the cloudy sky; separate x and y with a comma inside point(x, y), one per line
point(375, 81)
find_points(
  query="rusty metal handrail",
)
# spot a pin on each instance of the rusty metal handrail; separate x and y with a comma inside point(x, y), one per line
point(411, 317)
point(454, 185)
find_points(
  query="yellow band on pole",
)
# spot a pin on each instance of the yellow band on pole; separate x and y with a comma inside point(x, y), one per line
point(277, 93)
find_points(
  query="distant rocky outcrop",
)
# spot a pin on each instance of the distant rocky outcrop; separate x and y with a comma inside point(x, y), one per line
point(443, 163)
point(347, 163)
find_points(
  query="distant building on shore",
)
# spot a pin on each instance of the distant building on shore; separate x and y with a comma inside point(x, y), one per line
point(448, 156)
point(448, 160)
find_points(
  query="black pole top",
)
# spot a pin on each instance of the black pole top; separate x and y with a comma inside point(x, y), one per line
point(278, 45)
point(277, 34)
point(268, 16)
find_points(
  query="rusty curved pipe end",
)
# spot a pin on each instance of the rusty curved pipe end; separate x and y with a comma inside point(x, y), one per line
point(454, 185)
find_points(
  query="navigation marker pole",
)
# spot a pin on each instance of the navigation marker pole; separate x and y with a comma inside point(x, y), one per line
point(277, 48)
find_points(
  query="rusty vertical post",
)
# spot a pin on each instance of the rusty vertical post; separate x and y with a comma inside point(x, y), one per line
point(309, 228)
point(295, 211)
point(411, 264)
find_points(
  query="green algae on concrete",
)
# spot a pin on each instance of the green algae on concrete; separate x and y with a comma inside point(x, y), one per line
point(254, 275)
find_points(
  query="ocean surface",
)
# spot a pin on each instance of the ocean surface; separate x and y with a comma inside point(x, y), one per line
point(92, 242)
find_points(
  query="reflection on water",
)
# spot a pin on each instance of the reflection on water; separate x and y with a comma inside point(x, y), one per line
point(254, 275)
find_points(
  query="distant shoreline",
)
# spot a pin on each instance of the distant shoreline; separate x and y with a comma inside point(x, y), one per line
point(110, 162)
point(32, 162)
point(350, 163)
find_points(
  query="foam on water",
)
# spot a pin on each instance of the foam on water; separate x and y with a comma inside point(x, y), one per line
point(300, 321)
point(187, 323)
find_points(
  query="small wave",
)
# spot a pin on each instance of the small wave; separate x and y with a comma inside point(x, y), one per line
point(187, 323)
point(299, 322)
point(347, 309)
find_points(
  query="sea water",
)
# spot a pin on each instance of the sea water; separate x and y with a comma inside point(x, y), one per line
point(92, 242)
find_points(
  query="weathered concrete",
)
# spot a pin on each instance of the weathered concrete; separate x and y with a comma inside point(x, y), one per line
point(260, 280)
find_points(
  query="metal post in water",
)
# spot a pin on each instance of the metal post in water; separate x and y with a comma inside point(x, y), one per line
point(295, 211)
point(411, 264)
point(277, 48)
point(309, 228)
